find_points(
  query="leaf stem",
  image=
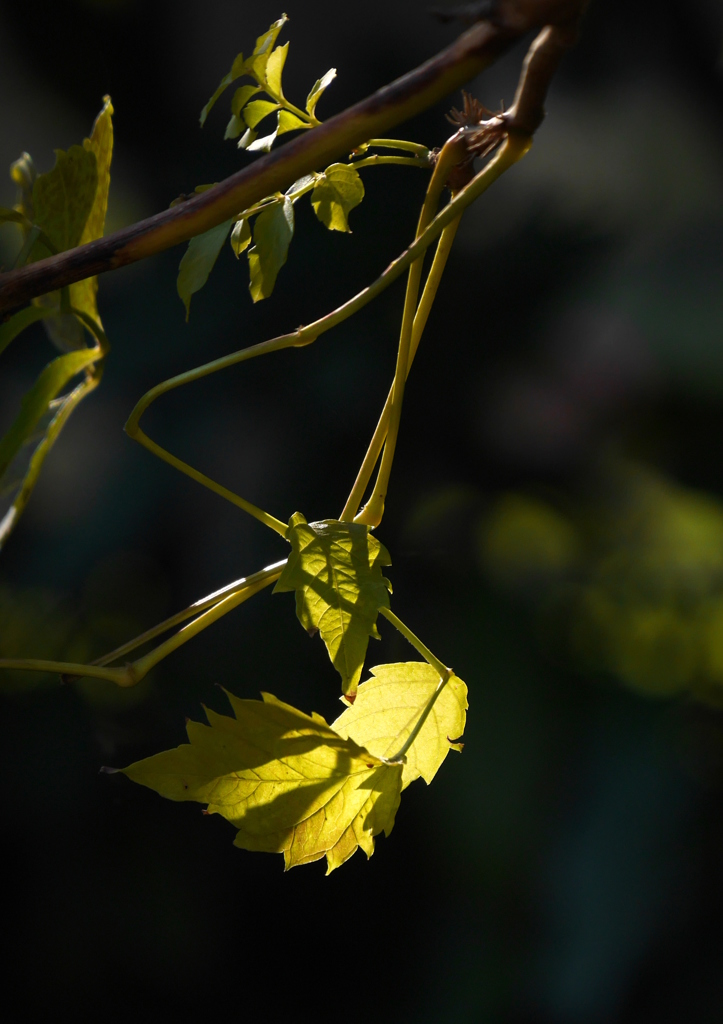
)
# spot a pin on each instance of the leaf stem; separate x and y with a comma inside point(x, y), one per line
point(445, 675)
point(420, 321)
point(452, 153)
point(131, 674)
point(411, 147)
point(415, 642)
point(175, 620)
point(376, 160)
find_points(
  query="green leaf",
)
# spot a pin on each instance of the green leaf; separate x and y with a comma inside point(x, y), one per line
point(284, 779)
point(42, 415)
point(83, 294)
point(273, 231)
point(274, 70)
point(338, 192)
point(319, 87)
point(257, 63)
point(18, 481)
point(238, 68)
point(289, 122)
point(240, 98)
point(388, 706)
point(240, 236)
point(257, 110)
point(64, 198)
point(198, 261)
point(335, 569)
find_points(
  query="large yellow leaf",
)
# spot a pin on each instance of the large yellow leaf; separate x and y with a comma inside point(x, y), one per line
point(287, 781)
point(388, 706)
point(335, 569)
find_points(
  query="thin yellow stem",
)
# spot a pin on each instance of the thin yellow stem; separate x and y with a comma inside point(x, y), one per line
point(132, 673)
point(452, 152)
point(175, 620)
point(420, 322)
point(416, 643)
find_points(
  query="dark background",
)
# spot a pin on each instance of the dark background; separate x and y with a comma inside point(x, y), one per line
point(567, 867)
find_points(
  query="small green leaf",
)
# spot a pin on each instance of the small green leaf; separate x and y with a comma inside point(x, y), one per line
point(335, 569)
point(41, 416)
point(274, 70)
point(257, 110)
point(319, 87)
point(289, 122)
point(388, 706)
point(258, 62)
point(238, 68)
point(240, 236)
point(247, 139)
point(284, 779)
point(241, 97)
point(64, 197)
point(338, 192)
point(273, 231)
point(198, 261)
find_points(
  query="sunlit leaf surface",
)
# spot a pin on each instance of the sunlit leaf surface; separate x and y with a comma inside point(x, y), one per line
point(336, 570)
point(288, 782)
point(336, 195)
point(388, 706)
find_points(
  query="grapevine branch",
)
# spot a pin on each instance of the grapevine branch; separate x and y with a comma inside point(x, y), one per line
point(505, 22)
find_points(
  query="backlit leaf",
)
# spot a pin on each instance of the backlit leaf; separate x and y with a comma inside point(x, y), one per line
point(388, 706)
point(285, 780)
point(240, 98)
point(335, 569)
point(318, 89)
point(238, 68)
point(42, 416)
point(83, 294)
point(257, 63)
point(336, 194)
point(274, 70)
point(64, 197)
point(257, 110)
point(273, 231)
point(198, 261)
point(240, 236)
point(262, 145)
point(289, 122)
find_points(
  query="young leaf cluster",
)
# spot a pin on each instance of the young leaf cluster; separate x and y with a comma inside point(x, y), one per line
point(335, 192)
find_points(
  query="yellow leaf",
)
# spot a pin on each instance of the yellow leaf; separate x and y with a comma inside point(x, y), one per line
point(83, 293)
point(335, 569)
point(388, 706)
point(286, 780)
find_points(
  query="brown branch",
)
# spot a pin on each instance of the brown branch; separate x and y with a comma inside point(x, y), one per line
point(448, 70)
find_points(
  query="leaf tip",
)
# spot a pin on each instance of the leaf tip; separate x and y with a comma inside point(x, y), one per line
point(105, 770)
